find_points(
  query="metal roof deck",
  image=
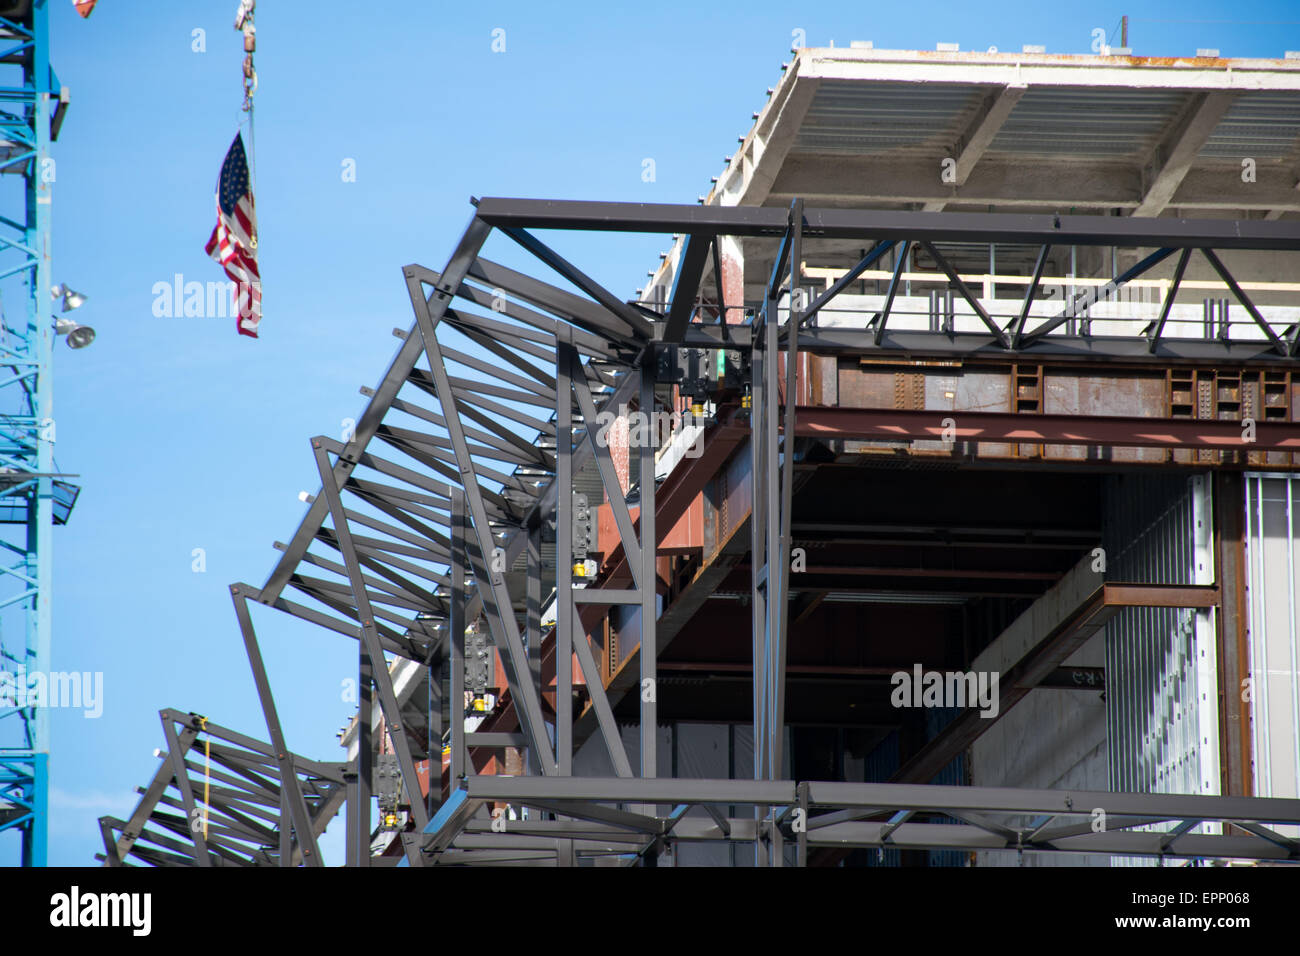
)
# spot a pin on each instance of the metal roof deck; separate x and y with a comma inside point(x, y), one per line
point(1144, 135)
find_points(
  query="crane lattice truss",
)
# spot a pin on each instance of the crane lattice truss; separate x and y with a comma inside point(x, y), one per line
point(32, 500)
point(432, 515)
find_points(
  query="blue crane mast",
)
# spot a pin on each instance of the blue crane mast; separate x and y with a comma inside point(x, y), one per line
point(32, 497)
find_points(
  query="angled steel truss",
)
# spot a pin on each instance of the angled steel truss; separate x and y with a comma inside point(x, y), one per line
point(218, 799)
point(434, 511)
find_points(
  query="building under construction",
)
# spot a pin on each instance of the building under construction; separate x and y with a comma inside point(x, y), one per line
point(932, 504)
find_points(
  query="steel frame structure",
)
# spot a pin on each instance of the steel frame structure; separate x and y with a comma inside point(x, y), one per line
point(992, 819)
point(194, 815)
point(418, 553)
point(32, 500)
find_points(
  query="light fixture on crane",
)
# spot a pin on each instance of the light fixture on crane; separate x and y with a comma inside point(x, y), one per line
point(79, 336)
point(71, 300)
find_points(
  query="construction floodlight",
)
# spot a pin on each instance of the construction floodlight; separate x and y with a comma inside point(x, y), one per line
point(79, 336)
point(71, 300)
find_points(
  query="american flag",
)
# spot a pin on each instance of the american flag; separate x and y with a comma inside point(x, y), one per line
point(234, 240)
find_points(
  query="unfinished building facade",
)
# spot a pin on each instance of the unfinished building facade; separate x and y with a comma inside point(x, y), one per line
point(933, 504)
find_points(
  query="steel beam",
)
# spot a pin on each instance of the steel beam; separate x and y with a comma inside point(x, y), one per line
point(564, 606)
point(844, 281)
point(957, 283)
point(849, 802)
point(834, 223)
point(686, 286)
point(182, 779)
point(501, 616)
point(971, 426)
point(637, 325)
point(1153, 336)
point(1067, 349)
point(882, 317)
point(1019, 328)
point(1244, 299)
point(648, 582)
point(372, 655)
point(456, 625)
point(1086, 299)
point(297, 807)
point(398, 370)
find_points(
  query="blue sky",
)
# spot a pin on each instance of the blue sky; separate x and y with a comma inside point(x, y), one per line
point(188, 436)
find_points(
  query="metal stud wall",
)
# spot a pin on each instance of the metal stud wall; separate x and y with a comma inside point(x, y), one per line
point(1157, 531)
point(1273, 586)
point(1161, 680)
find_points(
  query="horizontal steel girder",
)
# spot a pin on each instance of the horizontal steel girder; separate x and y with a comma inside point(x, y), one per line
point(880, 796)
point(880, 424)
point(582, 798)
point(1062, 347)
point(758, 221)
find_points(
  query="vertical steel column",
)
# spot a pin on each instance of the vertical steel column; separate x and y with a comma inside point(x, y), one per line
point(759, 476)
point(40, 200)
point(533, 621)
point(435, 706)
point(581, 645)
point(533, 604)
point(35, 837)
point(1233, 642)
point(565, 368)
point(758, 532)
point(769, 536)
point(770, 852)
point(771, 505)
point(649, 575)
point(781, 604)
point(1292, 621)
point(356, 848)
point(564, 854)
point(456, 624)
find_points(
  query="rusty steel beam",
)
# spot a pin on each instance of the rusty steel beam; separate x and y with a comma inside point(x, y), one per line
point(881, 424)
point(1233, 640)
point(876, 571)
point(1041, 661)
point(678, 491)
